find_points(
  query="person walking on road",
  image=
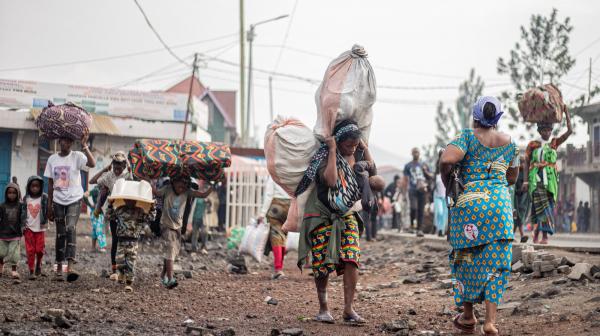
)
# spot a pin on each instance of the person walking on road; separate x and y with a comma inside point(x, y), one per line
point(65, 192)
point(276, 206)
point(416, 174)
point(542, 182)
point(331, 227)
point(481, 225)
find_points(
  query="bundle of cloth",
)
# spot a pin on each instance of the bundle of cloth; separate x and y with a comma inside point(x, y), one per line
point(63, 121)
point(161, 158)
point(543, 104)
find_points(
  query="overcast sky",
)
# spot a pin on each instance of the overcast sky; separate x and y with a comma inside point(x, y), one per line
point(430, 43)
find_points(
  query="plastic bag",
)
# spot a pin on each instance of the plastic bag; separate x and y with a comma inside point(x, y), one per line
point(348, 91)
point(255, 240)
point(293, 240)
point(235, 238)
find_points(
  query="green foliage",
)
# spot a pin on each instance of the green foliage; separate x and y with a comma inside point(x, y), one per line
point(451, 121)
point(541, 56)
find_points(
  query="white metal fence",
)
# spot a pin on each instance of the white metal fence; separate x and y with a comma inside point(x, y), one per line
point(246, 180)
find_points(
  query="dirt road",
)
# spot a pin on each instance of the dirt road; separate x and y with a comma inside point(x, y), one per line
point(227, 304)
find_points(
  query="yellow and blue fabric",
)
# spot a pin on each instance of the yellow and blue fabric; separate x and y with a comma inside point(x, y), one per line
point(481, 222)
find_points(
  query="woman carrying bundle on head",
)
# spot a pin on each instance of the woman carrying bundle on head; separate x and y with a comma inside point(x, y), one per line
point(542, 178)
point(331, 227)
point(481, 219)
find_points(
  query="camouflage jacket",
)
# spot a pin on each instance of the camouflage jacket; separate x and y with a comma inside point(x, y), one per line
point(130, 221)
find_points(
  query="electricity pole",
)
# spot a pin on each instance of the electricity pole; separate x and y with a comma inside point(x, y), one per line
point(242, 77)
point(189, 102)
point(271, 97)
point(590, 83)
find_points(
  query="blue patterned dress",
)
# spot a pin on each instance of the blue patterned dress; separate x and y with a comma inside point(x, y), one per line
point(481, 222)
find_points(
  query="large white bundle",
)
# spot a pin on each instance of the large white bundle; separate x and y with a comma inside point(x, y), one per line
point(289, 147)
point(255, 240)
point(348, 91)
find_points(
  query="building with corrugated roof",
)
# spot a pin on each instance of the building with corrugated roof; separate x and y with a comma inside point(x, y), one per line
point(119, 118)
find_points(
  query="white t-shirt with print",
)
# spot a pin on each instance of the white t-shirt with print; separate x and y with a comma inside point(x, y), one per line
point(34, 214)
point(66, 173)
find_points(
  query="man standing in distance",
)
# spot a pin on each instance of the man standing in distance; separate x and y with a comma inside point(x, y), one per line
point(416, 175)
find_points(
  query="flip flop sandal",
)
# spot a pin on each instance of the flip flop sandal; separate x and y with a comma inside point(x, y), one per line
point(354, 320)
point(72, 277)
point(465, 328)
point(325, 318)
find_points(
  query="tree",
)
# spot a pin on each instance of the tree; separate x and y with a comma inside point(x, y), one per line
point(541, 56)
point(448, 121)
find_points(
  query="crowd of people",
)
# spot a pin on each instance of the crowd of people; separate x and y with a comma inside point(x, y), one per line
point(495, 192)
point(27, 217)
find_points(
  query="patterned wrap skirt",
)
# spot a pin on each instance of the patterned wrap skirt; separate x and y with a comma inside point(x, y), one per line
point(349, 249)
point(481, 273)
point(542, 212)
point(276, 216)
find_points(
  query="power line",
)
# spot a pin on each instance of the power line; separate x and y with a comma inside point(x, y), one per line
point(587, 47)
point(156, 72)
point(153, 73)
point(158, 35)
point(285, 37)
point(306, 52)
point(108, 58)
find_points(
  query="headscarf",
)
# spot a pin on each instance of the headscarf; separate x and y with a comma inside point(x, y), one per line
point(478, 111)
point(320, 155)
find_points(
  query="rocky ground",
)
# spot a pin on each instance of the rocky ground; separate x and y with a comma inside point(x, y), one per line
point(404, 290)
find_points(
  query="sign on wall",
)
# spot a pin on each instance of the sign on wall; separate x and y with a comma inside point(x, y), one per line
point(113, 102)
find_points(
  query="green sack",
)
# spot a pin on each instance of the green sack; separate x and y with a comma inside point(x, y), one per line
point(235, 239)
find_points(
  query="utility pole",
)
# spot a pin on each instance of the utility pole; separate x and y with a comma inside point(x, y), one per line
point(189, 102)
point(590, 83)
point(242, 75)
point(271, 97)
point(250, 37)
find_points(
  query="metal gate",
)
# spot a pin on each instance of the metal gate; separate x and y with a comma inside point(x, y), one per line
point(246, 180)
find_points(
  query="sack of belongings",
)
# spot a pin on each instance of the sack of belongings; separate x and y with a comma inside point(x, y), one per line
point(289, 146)
point(542, 104)
point(255, 239)
point(63, 121)
point(347, 91)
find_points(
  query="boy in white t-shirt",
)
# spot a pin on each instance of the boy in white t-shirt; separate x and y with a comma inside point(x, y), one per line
point(65, 193)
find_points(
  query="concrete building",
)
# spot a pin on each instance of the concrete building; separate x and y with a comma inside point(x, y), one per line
point(221, 108)
point(119, 118)
point(584, 162)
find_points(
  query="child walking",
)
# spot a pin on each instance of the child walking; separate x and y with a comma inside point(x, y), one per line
point(175, 196)
point(35, 205)
point(130, 221)
point(97, 221)
point(11, 229)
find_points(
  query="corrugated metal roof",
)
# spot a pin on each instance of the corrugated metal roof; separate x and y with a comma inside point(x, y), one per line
point(101, 124)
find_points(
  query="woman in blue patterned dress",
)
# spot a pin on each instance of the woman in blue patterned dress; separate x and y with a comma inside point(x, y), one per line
point(481, 221)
